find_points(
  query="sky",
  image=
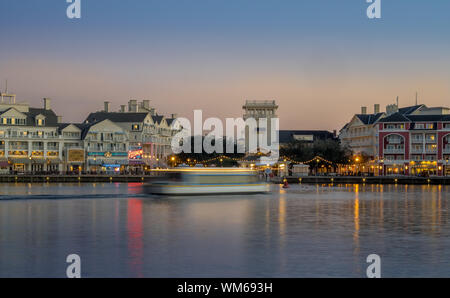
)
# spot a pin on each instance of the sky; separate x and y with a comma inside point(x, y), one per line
point(321, 60)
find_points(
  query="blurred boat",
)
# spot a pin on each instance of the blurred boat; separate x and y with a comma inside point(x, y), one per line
point(206, 181)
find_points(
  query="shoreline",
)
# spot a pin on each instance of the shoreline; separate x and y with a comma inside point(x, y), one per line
point(275, 180)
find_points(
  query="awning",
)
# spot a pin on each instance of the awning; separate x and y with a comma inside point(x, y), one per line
point(37, 160)
point(20, 160)
point(54, 161)
point(97, 162)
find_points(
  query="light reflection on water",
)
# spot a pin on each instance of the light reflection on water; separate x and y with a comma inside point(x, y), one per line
point(303, 231)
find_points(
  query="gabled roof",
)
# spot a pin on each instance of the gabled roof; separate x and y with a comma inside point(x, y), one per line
point(61, 126)
point(116, 117)
point(157, 119)
point(9, 109)
point(396, 117)
point(369, 118)
point(409, 110)
point(50, 117)
point(86, 126)
point(169, 121)
point(429, 118)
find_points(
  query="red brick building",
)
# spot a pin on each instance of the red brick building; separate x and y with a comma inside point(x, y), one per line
point(415, 144)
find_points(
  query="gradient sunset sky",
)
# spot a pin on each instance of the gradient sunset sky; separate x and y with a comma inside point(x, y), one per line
point(321, 60)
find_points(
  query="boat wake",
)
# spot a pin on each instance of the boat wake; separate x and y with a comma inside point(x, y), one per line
point(69, 197)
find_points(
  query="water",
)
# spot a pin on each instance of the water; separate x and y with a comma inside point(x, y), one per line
point(305, 231)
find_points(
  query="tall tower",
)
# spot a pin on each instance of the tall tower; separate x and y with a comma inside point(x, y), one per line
point(259, 109)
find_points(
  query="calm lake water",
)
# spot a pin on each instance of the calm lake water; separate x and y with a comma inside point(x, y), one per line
point(305, 231)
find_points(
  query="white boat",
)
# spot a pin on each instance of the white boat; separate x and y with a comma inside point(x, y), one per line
point(206, 181)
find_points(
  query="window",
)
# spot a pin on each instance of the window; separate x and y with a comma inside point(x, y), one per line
point(135, 127)
point(420, 126)
point(40, 122)
point(431, 138)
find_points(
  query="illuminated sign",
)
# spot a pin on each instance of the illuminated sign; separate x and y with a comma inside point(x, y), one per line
point(107, 153)
point(135, 154)
point(75, 155)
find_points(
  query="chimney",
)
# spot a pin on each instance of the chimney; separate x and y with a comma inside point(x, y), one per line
point(47, 103)
point(364, 110)
point(146, 104)
point(122, 108)
point(107, 105)
point(132, 106)
point(174, 116)
point(59, 119)
point(376, 108)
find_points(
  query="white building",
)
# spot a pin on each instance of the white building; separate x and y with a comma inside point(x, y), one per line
point(33, 140)
point(30, 141)
point(149, 134)
point(361, 133)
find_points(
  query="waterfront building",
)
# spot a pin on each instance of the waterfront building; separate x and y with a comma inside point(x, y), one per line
point(360, 134)
point(30, 141)
point(106, 145)
point(149, 134)
point(415, 144)
point(34, 140)
point(409, 141)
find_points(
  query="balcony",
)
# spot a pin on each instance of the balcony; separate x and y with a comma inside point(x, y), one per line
point(417, 150)
point(16, 148)
point(394, 141)
point(447, 150)
point(417, 141)
point(431, 151)
point(430, 141)
point(394, 151)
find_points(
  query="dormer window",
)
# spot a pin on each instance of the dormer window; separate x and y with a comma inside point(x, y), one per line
point(135, 127)
point(40, 120)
